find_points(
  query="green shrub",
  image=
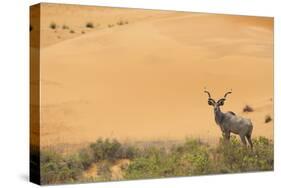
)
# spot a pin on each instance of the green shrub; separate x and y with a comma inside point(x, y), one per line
point(129, 152)
point(267, 119)
point(191, 158)
point(195, 158)
point(106, 150)
point(89, 25)
point(86, 158)
point(53, 25)
point(233, 157)
point(56, 169)
point(152, 164)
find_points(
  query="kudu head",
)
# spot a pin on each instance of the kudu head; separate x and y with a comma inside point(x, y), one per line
point(219, 103)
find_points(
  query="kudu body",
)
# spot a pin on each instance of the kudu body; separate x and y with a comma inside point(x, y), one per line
point(229, 122)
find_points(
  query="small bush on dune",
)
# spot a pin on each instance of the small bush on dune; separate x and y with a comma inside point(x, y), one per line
point(248, 108)
point(72, 31)
point(90, 25)
point(53, 25)
point(110, 25)
point(121, 22)
point(65, 27)
point(267, 119)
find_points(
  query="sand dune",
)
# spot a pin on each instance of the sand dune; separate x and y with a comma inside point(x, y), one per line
point(144, 80)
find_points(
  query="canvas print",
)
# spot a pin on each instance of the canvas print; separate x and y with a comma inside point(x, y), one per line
point(126, 94)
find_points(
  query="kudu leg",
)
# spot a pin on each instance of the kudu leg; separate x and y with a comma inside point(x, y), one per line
point(243, 140)
point(227, 136)
point(249, 140)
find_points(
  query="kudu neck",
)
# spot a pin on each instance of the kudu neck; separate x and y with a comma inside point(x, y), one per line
point(218, 115)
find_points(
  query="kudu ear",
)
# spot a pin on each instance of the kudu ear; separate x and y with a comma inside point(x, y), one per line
point(211, 102)
point(221, 102)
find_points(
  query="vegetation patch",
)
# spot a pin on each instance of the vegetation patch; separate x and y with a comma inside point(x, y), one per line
point(248, 108)
point(65, 27)
point(53, 25)
point(267, 119)
point(110, 25)
point(90, 25)
point(192, 157)
point(122, 22)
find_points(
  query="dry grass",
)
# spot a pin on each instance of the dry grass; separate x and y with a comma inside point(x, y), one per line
point(53, 25)
point(90, 25)
point(267, 119)
point(65, 27)
point(110, 25)
point(121, 22)
point(248, 108)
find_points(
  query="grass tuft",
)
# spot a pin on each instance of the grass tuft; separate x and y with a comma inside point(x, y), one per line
point(110, 25)
point(248, 108)
point(267, 119)
point(122, 22)
point(65, 27)
point(53, 25)
point(89, 25)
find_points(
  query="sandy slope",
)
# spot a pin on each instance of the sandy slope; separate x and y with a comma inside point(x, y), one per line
point(144, 80)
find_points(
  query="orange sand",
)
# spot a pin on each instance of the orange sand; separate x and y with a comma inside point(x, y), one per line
point(144, 80)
